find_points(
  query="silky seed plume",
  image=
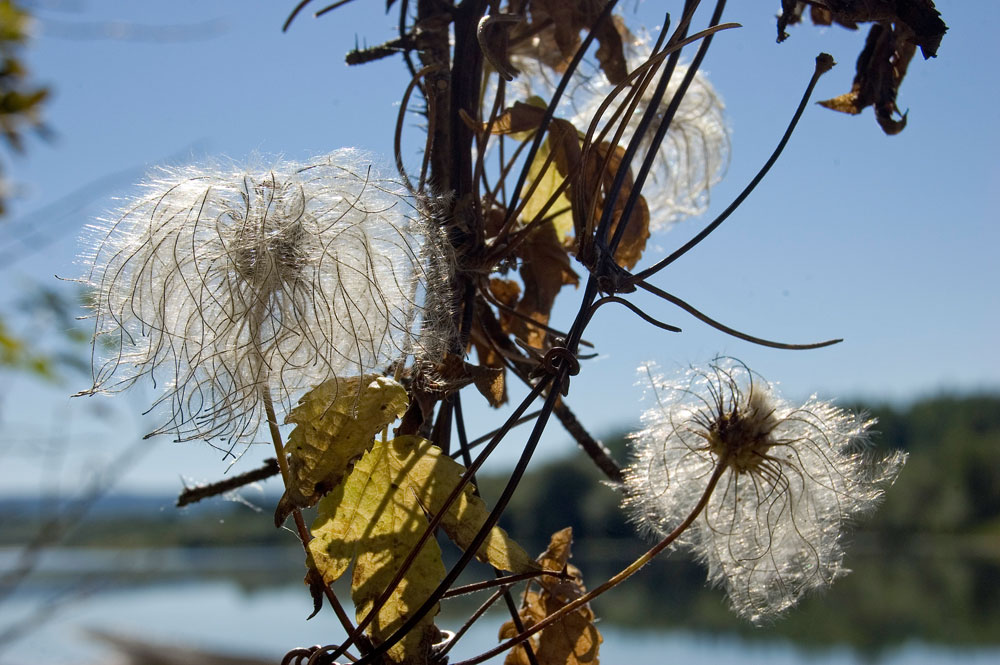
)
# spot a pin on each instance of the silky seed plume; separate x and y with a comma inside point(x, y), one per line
point(222, 284)
point(793, 478)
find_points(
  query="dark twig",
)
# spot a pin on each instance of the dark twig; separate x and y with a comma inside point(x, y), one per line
point(625, 573)
point(504, 580)
point(295, 12)
point(361, 56)
point(597, 452)
point(331, 7)
point(664, 125)
point(635, 310)
point(195, 494)
point(823, 64)
point(300, 525)
point(726, 329)
point(480, 611)
point(463, 441)
point(489, 435)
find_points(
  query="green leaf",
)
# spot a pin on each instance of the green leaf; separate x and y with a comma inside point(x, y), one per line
point(335, 423)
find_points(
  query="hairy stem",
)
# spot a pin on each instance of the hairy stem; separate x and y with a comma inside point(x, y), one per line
point(300, 525)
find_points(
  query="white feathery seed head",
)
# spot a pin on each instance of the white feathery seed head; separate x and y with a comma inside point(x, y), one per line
point(694, 154)
point(794, 478)
point(225, 285)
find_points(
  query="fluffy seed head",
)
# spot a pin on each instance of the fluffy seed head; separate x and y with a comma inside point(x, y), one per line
point(223, 284)
point(794, 477)
point(695, 151)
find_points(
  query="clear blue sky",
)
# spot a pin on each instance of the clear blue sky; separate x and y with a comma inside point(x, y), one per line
point(889, 242)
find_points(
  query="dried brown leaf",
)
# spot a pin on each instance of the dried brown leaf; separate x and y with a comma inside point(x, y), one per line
point(898, 29)
point(545, 269)
point(880, 71)
point(598, 182)
point(517, 119)
point(455, 373)
point(573, 640)
point(568, 20)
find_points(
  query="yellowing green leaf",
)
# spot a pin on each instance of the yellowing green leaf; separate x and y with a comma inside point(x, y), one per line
point(433, 476)
point(335, 423)
point(549, 179)
point(376, 517)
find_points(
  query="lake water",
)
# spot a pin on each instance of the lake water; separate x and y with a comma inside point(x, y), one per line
point(219, 615)
point(236, 606)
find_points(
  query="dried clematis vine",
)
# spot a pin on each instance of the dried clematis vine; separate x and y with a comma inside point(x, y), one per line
point(229, 286)
point(695, 151)
point(694, 154)
point(792, 478)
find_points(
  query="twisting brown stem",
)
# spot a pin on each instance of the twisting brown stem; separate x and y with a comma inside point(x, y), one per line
point(726, 329)
point(626, 573)
point(398, 136)
point(823, 64)
point(300, 525)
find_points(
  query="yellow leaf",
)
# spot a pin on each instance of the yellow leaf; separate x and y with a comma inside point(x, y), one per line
point(377, 515)
point(373, 518)
point(335, 423)
point(434, 475)
point(549, 180)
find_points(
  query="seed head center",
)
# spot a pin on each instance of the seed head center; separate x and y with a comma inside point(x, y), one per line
point(743, 436)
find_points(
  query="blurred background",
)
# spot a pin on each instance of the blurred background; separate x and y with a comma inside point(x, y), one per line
point(889, 242)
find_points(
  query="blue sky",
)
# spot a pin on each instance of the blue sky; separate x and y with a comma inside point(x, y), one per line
point(888, 242)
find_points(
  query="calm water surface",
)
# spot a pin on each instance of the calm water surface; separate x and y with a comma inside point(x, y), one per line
point(219, 615)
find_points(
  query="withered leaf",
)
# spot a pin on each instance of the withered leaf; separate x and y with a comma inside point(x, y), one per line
point(880, 70)
point(568, 20)
point(597, 183)
point(455, 373)
point(573, 640)
point(518, 119)
point(921, 17)
point(507, 291)
point(335, 423)
point(898, 28)
point(545, 269)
